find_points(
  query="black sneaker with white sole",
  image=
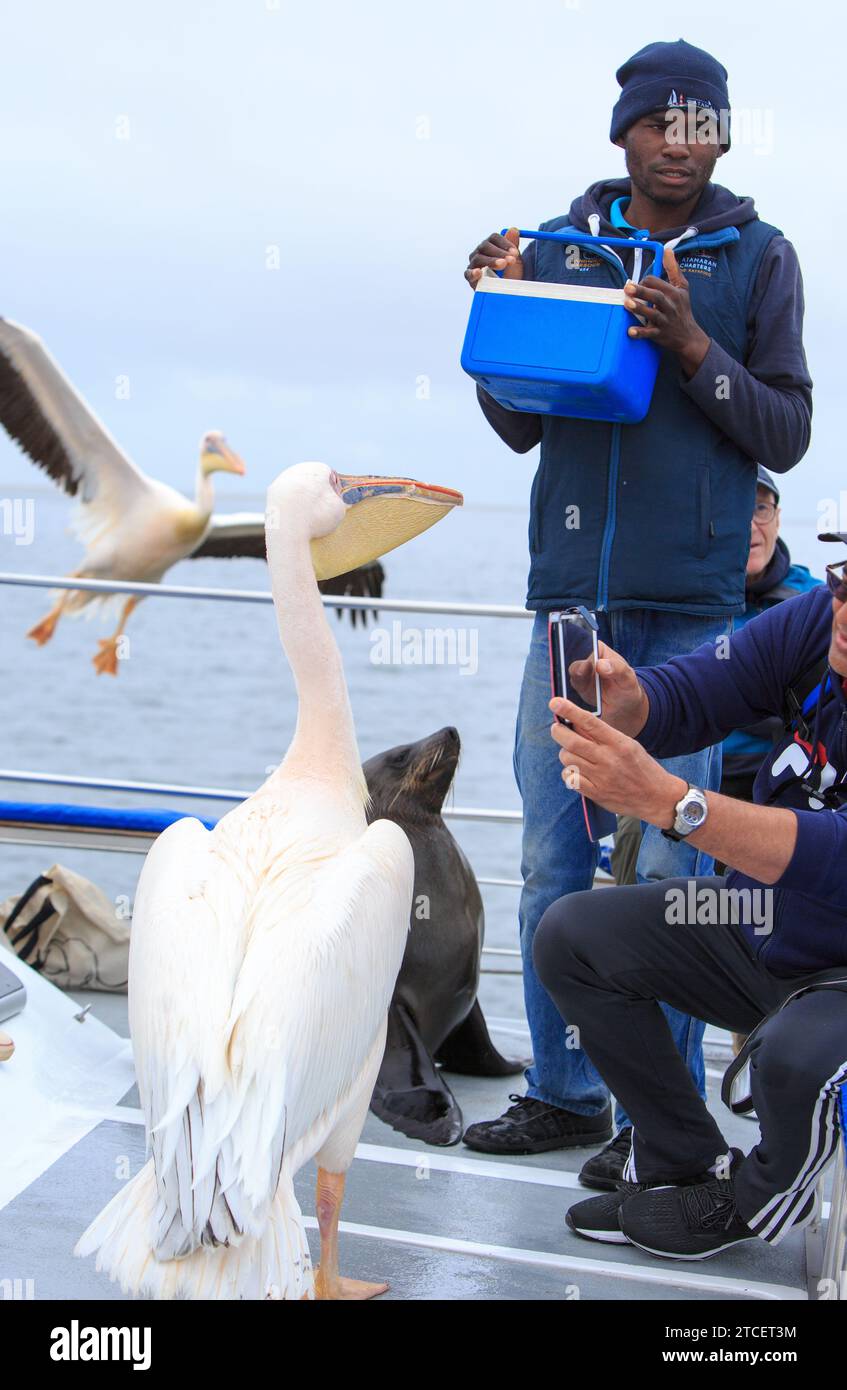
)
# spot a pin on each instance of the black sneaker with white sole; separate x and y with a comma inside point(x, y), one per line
point(687, 1223)
point(531, 1126)
point(605, 1170)
point(597, 1217)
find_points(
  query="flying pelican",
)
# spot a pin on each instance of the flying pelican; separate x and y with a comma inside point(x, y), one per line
point(263, 957)
point(134, 527)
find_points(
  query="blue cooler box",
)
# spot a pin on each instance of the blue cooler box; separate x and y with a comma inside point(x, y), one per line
point(558, 349)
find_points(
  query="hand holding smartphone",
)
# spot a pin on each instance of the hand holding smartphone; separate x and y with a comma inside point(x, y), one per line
point(573, 676)
point(573, 659)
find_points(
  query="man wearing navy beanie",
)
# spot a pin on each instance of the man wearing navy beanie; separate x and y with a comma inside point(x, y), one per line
point(693, 76)
point(648, 525)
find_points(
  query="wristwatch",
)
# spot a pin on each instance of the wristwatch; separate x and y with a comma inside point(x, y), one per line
point(690, 813)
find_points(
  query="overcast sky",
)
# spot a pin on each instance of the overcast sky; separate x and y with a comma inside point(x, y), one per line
point(159, 158)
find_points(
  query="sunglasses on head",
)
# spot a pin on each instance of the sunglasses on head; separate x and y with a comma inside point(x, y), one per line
point(836, 578)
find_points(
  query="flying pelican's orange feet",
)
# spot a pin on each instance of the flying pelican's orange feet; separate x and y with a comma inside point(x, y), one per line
point(43, 631)
point(348, 1290)
point(106, 661)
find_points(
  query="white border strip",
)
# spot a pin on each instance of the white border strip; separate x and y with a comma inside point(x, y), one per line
point(440, 1162)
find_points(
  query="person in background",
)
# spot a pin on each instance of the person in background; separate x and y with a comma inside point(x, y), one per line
point(763, 951)
point(662, 506)
point(771, 578)
point(626, 850)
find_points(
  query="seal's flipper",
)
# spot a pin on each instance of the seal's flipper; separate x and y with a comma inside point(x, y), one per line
point(410, 1095)
point(469, 1050)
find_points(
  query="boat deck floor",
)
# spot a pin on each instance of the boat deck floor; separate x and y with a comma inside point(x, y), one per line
point(435, 1223)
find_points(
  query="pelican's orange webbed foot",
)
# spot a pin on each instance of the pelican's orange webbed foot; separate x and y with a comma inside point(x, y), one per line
point(43, 631)
point(106, 661)
point(348, 1290)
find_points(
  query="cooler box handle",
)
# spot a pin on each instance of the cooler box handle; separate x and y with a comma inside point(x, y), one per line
point(582, 238)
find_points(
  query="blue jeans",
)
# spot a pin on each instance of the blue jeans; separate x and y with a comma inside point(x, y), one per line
point(558, 857)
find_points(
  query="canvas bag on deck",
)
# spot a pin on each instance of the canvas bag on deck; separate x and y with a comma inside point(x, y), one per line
point(66, 928)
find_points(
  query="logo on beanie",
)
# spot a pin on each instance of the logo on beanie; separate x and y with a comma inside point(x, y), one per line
point(680, 99)
point(694, 121)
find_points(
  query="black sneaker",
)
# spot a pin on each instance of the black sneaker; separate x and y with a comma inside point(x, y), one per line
point(686, 1223)
point(605, 1169)
point(597, 1217)
point(533, 1127)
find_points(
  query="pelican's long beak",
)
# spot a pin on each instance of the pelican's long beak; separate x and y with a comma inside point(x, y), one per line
point(218, 457)
point(232, 462)
point(382, 514)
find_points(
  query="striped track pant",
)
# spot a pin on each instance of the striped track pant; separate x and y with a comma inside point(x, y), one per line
point(607, 956)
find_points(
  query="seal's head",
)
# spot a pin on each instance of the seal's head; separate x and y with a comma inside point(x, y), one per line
point(410, 782)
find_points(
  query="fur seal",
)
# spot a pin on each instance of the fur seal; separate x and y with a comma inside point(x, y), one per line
point(435, 1015)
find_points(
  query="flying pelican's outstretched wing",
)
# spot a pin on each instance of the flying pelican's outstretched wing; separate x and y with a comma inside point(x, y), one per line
point(232, 536)
point(243, 534)
point(364, 582)
point(251, 1029)
point(58, 430)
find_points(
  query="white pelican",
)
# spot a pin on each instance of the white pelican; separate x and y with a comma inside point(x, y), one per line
point(263, 956)
point(134, 527)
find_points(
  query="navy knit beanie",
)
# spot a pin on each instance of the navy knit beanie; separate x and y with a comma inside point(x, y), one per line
point(668, 75)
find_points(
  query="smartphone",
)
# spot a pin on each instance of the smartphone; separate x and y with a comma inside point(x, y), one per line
point(573, 637)
point(12, 993)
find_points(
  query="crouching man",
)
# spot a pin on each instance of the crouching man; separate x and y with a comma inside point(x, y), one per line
point(769, 942)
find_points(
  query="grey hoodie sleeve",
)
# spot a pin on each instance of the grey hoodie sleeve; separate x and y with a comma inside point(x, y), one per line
point(517, 428)
point(763, 405)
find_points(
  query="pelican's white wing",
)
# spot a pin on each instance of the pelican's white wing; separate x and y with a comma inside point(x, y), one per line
point(186, 948)
point(58, 430)
point(254, 1005)
point(313, 995)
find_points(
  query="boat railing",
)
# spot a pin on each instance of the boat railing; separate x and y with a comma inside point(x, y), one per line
point(191, 591)
point(478, 814)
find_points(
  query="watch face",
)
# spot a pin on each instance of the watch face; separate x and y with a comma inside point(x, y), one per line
point(693, 813)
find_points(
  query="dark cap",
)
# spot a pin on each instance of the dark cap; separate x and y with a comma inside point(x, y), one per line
point(764, 479)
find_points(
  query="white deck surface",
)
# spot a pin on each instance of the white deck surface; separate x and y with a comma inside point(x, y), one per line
point(437, 1223)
